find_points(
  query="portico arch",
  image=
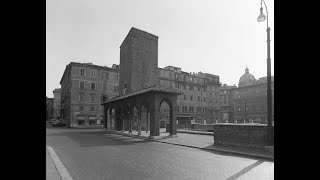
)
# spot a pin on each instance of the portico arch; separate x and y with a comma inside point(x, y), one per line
point(147, 100)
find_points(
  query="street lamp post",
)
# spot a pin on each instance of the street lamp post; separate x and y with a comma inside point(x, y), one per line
point(261, 18)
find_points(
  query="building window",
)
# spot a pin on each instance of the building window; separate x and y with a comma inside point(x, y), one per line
point(92, 122)
point(205, 110)
point(191, 87)
point(115, 88)
point(204, 99)
point(239, 96)
point(184, 86)
point(80, 122)
point(102, 75)
point(81, 96)
point(92, 97)
point(198, 88)
point(104, 86)
point(81, 72)
point(184, 108)
point(239, 109)
point(82, 85)
point(93, 86)
point(104, 98)
point(191, 98)
point(184, 97)
point(80, 108)
point(92, 108)
point(199, 98)
point(93, 73)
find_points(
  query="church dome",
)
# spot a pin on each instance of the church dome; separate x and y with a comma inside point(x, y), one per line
point(246, 79)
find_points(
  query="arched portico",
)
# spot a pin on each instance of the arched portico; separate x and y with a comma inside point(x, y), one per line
point(149, 98)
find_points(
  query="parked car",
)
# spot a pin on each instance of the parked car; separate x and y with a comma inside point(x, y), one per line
point(58, 123)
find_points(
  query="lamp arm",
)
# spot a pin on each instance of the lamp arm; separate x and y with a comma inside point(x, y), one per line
point(266, 11)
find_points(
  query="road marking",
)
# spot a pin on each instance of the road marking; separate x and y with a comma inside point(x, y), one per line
point(245, 170)
point(61, 169)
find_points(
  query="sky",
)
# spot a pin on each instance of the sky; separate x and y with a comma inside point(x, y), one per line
point(219, 37)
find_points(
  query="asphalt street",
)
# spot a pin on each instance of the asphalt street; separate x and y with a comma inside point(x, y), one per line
point(89, 154)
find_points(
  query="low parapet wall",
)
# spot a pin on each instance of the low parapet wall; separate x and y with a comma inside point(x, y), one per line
point(246, 135)
point(201, 127)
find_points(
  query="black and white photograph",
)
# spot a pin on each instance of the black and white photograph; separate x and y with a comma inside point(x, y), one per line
point(159, 89)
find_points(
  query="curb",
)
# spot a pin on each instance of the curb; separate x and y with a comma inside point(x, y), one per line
point(225, 151)
point(201, 133)
point(60, 167)
point(270, 158)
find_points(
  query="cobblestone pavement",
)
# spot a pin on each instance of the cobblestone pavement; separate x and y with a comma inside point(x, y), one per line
point(89, 154)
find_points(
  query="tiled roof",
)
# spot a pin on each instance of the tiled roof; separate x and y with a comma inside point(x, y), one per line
point(154, 88)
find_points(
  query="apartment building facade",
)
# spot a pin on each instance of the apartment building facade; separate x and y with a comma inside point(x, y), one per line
point(226, 111)
point(200, 101)
point(49, 108)
point(57, 104)
point(84, 86)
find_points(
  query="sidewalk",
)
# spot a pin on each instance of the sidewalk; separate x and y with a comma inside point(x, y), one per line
point(51, 170)
point(201, 141)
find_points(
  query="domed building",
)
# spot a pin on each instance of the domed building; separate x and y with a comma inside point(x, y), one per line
point(250, 99)
point(246, 79)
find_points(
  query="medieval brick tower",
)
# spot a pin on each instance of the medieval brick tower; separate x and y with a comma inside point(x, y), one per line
point(138, 61)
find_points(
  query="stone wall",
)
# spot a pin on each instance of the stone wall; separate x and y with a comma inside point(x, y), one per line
point(247, 135)
point(201, 127)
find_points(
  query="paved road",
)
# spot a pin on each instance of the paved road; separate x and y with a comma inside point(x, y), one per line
point(89, 154)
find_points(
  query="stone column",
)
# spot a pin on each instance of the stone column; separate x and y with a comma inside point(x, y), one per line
point(154, 106)
point(122, 119)
point(139, 119)
point(173, 117)
point(105, 118)
point(148, 120)
point(110, 118)
point(130, 120)
point(116, 119)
